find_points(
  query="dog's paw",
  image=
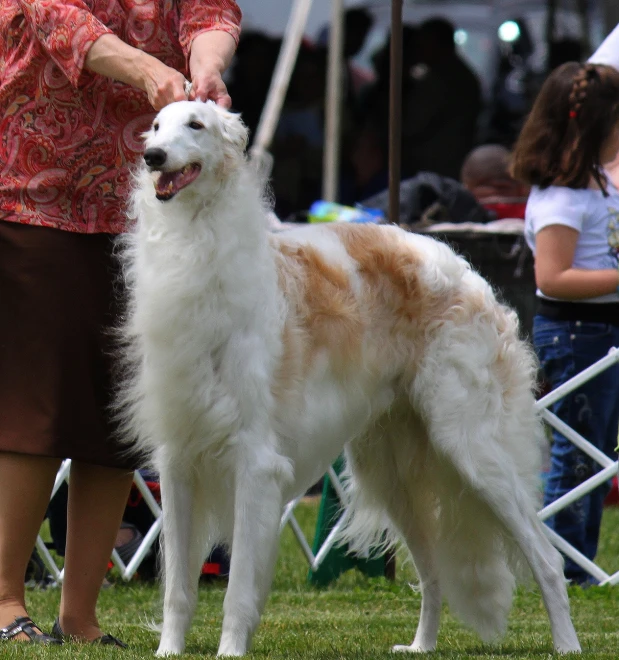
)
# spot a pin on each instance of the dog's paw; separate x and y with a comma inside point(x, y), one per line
point(411, 648)
point(230, 653)
point(231, 648)
point(167, 650)
point(564, 650)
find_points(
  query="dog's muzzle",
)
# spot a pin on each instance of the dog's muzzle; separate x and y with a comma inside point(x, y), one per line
point(169, 182)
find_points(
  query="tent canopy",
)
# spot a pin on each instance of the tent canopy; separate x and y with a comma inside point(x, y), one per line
point(478, 22)
point(271, 16)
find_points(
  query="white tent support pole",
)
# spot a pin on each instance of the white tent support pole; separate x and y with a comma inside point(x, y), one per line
point(279, 82)
point(331, 163)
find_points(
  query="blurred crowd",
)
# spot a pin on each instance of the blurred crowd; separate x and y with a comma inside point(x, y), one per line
point(444, 114)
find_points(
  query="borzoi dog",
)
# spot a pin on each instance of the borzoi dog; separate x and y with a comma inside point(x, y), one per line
point(257, 358)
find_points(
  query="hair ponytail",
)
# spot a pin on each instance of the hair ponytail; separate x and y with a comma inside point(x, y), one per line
point(572, 118)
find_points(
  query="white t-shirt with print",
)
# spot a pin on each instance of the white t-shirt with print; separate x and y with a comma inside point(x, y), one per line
point(594, 216)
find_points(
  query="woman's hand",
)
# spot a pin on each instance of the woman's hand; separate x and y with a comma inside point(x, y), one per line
point(211, 54)
point(163, 84)
point(208, 84)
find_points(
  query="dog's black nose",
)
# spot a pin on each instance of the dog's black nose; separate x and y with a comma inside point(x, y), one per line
point(155, 157)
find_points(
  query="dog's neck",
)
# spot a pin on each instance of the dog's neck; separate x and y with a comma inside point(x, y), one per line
point(225, 224)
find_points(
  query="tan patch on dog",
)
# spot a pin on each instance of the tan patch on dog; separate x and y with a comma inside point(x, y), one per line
point(324, 314)
point(388, 267)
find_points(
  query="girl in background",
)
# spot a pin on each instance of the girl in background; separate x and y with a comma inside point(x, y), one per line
point(572, 227)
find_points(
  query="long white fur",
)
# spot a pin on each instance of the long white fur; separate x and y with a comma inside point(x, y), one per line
point(242, 387)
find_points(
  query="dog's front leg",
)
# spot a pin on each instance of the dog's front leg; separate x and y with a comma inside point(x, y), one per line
point(260, 479)
point(180, 544)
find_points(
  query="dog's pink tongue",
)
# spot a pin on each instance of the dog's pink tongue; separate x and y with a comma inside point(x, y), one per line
point(169, 183)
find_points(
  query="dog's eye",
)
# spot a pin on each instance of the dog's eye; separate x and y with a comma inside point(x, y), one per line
point(155, 127)
point(196, 125)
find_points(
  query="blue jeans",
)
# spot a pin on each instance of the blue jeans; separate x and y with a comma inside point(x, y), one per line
point(564, 349)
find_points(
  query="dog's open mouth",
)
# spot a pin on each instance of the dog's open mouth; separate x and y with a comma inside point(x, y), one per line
point(168, 184)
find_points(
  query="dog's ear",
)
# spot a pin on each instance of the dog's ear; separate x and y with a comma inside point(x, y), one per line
point(234, 131)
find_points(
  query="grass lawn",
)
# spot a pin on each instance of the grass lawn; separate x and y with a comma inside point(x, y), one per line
point(354, 618)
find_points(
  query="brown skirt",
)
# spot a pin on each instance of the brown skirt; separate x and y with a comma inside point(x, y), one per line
point(60, 295)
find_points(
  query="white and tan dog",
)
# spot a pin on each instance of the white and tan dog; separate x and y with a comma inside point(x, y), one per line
point(257, 358)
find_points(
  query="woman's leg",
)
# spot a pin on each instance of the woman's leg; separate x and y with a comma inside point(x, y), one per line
point(97, 500)
point(26, 484)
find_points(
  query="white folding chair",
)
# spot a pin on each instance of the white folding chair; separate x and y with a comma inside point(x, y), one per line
point(288, 518)
point(127, 571)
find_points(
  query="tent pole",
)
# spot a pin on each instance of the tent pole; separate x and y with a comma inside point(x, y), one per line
point(334, 103)
point(395, 111)
point(284, 67)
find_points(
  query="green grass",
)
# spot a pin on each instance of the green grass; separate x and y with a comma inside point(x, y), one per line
point(355, 618)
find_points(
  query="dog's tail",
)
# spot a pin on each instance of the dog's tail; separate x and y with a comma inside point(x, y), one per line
point(478, 562)
point(473, 558)
point(475, 393)
point(459, 469)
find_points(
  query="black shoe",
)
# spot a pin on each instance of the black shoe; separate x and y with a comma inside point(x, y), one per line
point(29, 627)
point(108, 640)
point(127, 550)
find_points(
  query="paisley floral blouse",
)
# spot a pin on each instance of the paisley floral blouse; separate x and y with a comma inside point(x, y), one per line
point(67, 136)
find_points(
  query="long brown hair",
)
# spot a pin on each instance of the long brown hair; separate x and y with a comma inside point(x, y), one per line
point(573, 116)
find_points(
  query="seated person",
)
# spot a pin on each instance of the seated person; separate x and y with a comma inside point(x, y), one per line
point(485, 173)
point(366, 168)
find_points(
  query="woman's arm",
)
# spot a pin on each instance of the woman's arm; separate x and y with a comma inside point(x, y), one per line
point(65, 29)
point(112, 57)
point(75, 39)
point(211, 54)
point(555, 246)
point(209, 32)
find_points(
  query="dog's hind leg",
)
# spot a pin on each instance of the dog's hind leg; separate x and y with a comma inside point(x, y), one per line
point(420, 546)
point(184, 550)
point(258, 505)
point(382, 473)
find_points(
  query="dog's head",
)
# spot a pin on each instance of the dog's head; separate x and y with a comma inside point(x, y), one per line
point(191, 140)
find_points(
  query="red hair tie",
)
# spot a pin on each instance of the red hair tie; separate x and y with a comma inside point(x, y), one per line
point(573, 114)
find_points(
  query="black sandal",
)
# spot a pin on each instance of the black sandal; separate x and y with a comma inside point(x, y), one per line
point(108, 640)
point(28, 627)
